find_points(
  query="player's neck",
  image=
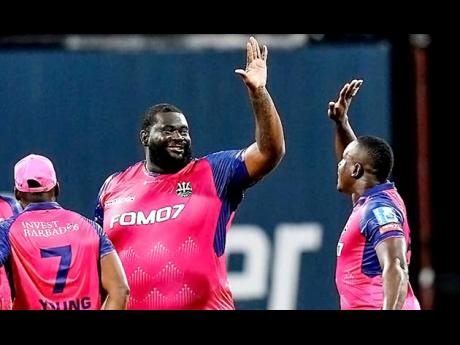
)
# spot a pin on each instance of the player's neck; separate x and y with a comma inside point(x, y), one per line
point(25, 203)
point(153, 168)
point(362, 185)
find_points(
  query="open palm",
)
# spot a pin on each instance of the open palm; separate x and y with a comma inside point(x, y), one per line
point(338, 110)
point(255, 74)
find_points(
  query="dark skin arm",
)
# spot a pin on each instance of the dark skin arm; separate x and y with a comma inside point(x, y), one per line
point(114, 283)
point(338, 112)
point(392, 257)
point(268, 150)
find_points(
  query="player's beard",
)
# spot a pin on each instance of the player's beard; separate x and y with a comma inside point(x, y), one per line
point(168, 163)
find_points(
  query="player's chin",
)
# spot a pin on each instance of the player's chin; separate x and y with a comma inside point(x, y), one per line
point(339, 187)
point(177, 157)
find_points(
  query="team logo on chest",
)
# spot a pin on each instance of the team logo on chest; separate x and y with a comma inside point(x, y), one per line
point(184, 189)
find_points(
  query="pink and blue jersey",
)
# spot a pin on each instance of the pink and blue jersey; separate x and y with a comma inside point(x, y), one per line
point(53, 255)
point(8, 208)
point(170, 229)
point(378, 214)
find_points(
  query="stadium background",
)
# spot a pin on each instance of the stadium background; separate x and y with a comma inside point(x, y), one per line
point(79, 100)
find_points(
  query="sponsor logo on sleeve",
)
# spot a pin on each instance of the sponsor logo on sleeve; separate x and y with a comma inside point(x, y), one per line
point(390, 227)
point(385, 215)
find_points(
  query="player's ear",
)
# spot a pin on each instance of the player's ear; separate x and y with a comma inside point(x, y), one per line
point(144, 137)
point(57, 190)
point(358, 171)
point(17, 194)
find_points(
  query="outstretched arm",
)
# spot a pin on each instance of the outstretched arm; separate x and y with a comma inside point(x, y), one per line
point(392, 258)
point(268, 150)
point(114, 282)
point(338, 112)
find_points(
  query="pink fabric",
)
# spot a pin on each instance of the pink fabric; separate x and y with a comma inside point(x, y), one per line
point(37, 168)
point(357, 290)
point(5, 293)
point(65, 236)
point(165, 240)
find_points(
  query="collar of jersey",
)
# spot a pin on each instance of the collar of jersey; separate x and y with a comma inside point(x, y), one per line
point(155, 174)
point(374, 190)
point(48, 205)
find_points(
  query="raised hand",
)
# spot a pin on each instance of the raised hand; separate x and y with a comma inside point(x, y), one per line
point(339, 110)
point(255, 74)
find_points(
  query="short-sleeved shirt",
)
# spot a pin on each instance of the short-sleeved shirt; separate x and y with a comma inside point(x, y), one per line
point(378, 214)
point(54, 256)
point(170, 229)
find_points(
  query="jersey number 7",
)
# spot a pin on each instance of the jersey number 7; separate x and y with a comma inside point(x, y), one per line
point(65, 253)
